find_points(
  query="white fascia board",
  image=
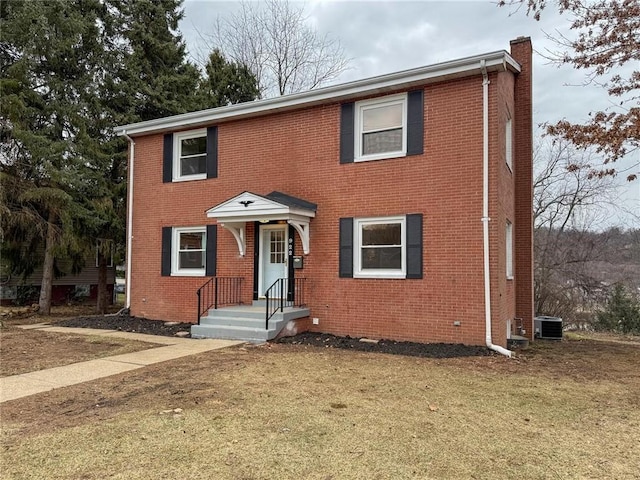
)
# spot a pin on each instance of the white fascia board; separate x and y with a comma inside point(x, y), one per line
point(258, 217)
point(250, 213)
point(283, 213)
point(495, 61)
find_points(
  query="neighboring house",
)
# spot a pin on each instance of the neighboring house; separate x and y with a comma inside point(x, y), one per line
point(393, 207)
point(81, 287)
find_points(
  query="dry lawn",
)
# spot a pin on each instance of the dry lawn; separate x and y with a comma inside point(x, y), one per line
point(23, 351)
point(560, 410)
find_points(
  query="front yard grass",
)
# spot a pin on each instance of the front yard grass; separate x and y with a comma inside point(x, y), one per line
point(23, 351)
point(560, 410)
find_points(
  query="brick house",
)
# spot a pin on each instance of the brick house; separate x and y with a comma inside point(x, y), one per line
point(398, 206)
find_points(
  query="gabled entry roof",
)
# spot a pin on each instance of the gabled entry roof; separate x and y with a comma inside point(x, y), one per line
point(251, 207)
point(233, 214)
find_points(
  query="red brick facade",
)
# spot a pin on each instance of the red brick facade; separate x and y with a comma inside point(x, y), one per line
point(297, 152)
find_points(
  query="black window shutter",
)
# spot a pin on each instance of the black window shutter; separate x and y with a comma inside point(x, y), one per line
point(346, 132)
point(166, 251)
point(415, 122)
point(212, 250)
point(212, 152)
point(346, 248)
point(167, 159)
point(414, 245)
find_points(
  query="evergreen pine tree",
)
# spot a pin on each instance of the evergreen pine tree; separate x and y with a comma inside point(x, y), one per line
point(52, 49)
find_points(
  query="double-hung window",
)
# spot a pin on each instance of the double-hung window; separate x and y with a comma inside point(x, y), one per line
point(381, 128)
point(508, 141)
point(189, 251)
point(380, 247)
point(509, 249)
point(190, 155)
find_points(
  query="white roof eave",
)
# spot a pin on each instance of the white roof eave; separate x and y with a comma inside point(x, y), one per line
point(495, 61)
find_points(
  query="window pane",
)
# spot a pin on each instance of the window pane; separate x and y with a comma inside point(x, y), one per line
point(381, 142)
point(382, 234)
point(191, 241)
point(193, 166)
point(382, 258)
point(277, 246)
point(378, 118)
point(194, 146)
point(193, 259)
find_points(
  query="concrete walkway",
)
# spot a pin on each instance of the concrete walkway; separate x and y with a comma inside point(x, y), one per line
point(18, 386)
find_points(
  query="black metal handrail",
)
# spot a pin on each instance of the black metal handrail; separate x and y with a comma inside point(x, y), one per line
point(219, 292)
point(283, 293)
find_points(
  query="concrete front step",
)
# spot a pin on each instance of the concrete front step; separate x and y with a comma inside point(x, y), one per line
point(245, 323)
point(231, 332)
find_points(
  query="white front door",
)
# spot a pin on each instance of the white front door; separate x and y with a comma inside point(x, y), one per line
point(273, 256)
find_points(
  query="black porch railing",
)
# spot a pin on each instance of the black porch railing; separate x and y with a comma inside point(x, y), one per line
point(219, 292)
point(283, 293)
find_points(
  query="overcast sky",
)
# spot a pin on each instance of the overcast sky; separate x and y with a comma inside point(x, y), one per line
point(387, 36)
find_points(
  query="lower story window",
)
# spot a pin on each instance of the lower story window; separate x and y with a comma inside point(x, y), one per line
point(189, 247)
point(380, 247)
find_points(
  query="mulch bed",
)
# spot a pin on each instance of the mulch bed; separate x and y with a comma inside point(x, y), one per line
point(427, 350)
point(126, 323)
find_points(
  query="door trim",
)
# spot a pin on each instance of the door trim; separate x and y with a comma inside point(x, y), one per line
point(261, 253)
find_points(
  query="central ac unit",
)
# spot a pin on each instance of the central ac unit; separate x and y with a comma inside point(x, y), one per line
point(548, 327)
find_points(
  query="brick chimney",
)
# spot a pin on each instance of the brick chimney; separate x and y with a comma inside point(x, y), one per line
point(521, 50)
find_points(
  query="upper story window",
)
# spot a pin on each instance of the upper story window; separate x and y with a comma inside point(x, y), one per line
point(189, 251)
point(381, 128)
point(190, 155)
point(508, 137)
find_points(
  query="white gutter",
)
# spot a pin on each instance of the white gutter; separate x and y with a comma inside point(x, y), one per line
point(485, 211)
point(494, 61)
point(132, 151)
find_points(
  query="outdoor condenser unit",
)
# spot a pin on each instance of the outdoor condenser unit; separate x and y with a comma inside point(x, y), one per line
point(548, 327)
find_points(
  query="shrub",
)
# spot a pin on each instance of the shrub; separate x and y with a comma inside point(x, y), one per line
point(622, 313)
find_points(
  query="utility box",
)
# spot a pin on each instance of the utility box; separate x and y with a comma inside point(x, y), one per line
point(298, 262)
point(549, 328)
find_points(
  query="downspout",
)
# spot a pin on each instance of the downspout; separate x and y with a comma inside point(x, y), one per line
point(485, 211)
point(132, 151)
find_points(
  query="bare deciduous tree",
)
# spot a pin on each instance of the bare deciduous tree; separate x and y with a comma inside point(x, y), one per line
point(607, 47)
point(570, 206)
point(274, 40)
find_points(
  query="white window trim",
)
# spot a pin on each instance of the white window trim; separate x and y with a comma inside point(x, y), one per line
point(509, 249)
point(175, 250)
point(508, 141)
point(376, 102)
point(177, 150)
point(358, 272)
